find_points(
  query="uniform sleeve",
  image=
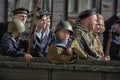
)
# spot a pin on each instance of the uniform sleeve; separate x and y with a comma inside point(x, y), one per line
point(10, 48)
point(78, 51)
point(57, 55)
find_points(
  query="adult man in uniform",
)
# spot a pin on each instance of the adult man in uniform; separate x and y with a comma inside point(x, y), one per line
point(19, 13)
point(43, 35)
point(84, 34)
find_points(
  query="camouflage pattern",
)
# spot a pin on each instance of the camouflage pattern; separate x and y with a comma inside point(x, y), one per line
point(87, 38)
point(99, 45)
point(57, 54)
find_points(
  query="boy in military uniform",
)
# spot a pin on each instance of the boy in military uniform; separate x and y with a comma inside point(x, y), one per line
point(10, 39)
point(64, 48)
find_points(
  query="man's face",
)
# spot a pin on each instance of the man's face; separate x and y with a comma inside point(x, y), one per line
point(42, 22)
point(22, 17)
point(92, 22)
point(47, 24)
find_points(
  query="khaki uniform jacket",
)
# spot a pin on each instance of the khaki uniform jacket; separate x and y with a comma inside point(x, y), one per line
point(57, 54)
point(99, 45)
point(87, 38)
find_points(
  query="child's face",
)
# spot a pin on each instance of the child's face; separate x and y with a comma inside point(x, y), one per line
point(101, 25)
point(63, 34)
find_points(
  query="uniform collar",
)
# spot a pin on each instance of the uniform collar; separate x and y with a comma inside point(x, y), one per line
point(58, 42)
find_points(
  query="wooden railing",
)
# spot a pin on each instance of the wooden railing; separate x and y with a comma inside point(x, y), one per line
point(42, 69)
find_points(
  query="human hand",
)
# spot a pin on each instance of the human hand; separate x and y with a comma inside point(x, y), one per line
point(70, 51)
point(28, 57)
point(105, 58)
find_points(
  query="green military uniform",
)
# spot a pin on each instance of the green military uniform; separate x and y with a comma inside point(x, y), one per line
point(87, 39)
point(58, 50)
point(99, 45)
point(57, 54)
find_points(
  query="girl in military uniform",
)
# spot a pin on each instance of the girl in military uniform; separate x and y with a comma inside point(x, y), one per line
point(64, 48)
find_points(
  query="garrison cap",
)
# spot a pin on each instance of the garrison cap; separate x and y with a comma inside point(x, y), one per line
point(42, 13)
point(86, 14)
point(20, 11)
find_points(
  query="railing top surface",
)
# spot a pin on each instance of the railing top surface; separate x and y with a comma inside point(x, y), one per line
point(43, 63)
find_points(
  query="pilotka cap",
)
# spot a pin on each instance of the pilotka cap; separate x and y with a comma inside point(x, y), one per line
point(20, 11)
point(86, 14)
point(41, 13)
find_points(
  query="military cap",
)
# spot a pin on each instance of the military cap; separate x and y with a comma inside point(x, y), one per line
point(42, 13)
point(86, 14)
point(20, 11)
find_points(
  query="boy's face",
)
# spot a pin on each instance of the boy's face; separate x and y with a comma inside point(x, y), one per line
point(63, 34)
point(16, 35)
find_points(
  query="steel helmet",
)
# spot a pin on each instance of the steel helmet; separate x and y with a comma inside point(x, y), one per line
point(64, 25)
point(16, 26)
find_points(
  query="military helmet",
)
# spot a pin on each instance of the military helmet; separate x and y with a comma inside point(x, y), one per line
point(16, 26)
point(64, 25)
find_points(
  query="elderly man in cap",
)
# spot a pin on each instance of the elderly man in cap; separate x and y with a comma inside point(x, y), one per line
point(19, 13)
point(84, 34)
point(43, 35)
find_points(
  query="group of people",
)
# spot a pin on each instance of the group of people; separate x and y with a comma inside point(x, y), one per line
point(69, 42)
